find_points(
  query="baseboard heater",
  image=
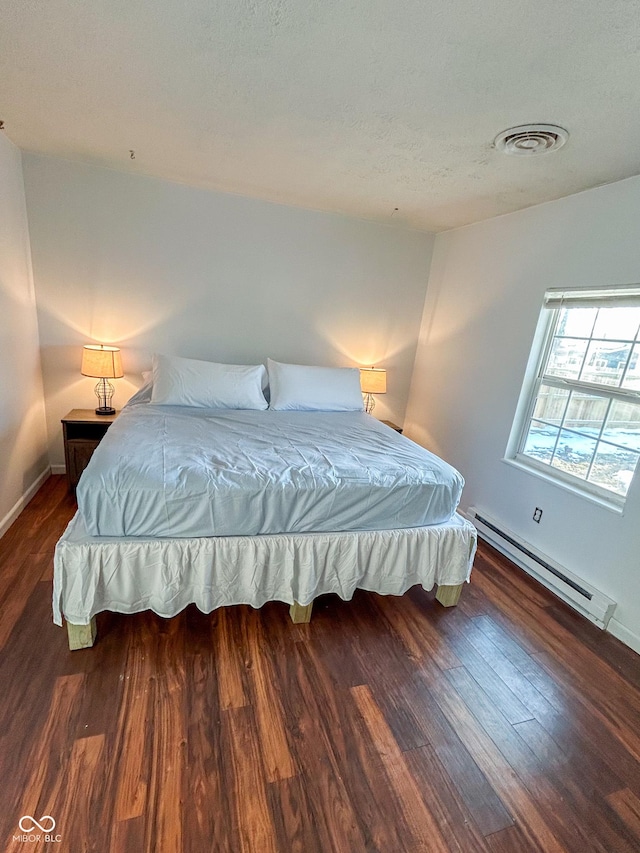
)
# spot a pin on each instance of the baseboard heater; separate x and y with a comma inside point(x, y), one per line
point(573, 590)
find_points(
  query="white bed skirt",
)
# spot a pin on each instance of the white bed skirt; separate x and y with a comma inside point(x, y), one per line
point(129, 575)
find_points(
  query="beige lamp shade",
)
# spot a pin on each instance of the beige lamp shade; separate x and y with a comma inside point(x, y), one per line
point(373, 380)
point(101, 362)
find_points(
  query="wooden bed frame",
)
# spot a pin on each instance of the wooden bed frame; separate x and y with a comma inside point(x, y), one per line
point(84, 636)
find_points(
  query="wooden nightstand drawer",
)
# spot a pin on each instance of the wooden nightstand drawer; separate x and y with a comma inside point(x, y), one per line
point(82, 431)
point(77, 456)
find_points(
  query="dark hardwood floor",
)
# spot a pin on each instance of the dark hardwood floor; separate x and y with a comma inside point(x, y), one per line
point(507, 724)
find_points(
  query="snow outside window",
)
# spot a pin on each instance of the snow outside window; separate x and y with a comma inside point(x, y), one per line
point(581, 423)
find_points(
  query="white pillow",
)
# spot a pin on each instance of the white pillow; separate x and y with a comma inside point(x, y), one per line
point(143, 394)
point(321, 389)
point(204, 384)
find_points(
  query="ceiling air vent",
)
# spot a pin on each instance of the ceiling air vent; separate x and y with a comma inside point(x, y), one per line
point(528, 139)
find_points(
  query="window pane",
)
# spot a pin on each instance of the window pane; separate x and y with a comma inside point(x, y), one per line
point(617, 323)
point(613, 468)
point(574, 454)
point(586, 413)
point(623, 424)
point(566, 357)
point(605, 362)
point(550, 404)
point(541, 439)
point(632, 376)
point(588, 433)
point(576, 322)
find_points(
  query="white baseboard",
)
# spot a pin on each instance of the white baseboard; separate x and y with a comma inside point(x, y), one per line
point(58, 469)
point(624, 635)
point(620, 631)
point(572, 589)
point(21, 503)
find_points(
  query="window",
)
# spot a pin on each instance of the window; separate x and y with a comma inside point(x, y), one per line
point(580, 417)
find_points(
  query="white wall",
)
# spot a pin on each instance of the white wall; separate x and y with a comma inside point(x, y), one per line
point(23, 451)
point(155, 266)
point(483, 300)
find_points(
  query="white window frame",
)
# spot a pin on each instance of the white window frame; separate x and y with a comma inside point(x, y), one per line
point(554, 300)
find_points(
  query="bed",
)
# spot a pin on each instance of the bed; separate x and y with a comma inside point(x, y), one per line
point(211, 506)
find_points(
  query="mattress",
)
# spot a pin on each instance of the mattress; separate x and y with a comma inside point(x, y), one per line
point(166, 471)
point(129, 575)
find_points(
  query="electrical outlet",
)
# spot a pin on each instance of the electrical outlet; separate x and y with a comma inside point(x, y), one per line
point(537, 515)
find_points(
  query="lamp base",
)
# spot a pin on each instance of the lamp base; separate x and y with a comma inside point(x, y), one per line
point(104, 392)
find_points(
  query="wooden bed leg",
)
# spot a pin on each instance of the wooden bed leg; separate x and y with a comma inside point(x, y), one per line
point(81, 636)
point(299, 613)
point(448, 596)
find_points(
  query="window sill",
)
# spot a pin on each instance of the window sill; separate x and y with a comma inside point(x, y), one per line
point(612, 504)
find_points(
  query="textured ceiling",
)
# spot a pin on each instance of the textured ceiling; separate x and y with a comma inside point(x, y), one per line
point(353, 106)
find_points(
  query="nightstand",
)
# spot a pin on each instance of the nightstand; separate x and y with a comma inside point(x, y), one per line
point(393, 426)
point(82, 431)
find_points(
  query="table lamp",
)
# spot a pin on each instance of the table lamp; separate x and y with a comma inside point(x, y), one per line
point(104, 363)
point(373, 380)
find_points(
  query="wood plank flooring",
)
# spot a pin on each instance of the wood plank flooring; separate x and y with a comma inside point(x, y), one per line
point(505, 725)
